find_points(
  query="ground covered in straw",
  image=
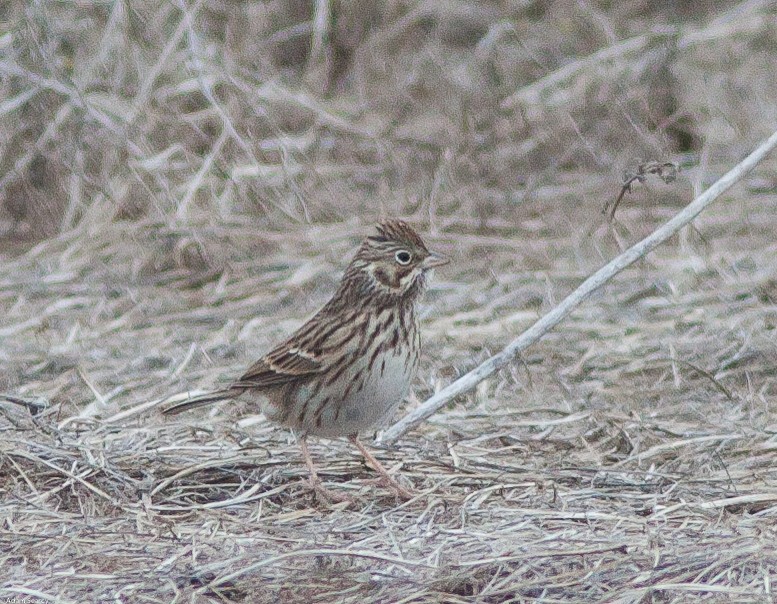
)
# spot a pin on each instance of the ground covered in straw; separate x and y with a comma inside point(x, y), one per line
point(184, 196)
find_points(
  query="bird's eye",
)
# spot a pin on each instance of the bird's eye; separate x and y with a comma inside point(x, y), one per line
point(403, 257)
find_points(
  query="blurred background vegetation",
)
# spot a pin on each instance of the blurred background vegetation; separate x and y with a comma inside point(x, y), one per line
point(289, 111)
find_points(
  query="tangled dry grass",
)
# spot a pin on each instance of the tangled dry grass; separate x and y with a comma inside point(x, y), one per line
point(180, 186)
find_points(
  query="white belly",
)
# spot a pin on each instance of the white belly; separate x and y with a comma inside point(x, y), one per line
point(383, 391)
point(342, 411)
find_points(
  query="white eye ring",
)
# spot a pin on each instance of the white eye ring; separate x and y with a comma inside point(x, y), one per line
point(403, 257)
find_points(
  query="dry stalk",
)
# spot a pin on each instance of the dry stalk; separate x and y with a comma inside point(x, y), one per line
point(666, 171)
point(468, 381)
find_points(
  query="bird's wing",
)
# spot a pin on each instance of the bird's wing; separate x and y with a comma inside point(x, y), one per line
point(308, 351)
point(287, 363)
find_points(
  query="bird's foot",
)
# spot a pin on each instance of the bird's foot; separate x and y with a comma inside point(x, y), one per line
point(387, 482)
point(328, 496)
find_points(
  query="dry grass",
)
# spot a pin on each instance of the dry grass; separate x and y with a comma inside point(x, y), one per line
point(181, 184)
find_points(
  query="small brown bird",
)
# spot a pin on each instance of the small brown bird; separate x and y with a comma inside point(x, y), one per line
point(348, 368)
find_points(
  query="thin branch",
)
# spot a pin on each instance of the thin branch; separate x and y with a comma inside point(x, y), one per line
point(468, 381)
point(666, 171)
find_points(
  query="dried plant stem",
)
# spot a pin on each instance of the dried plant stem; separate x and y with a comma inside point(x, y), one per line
point(321, 25)
point(535, 90)
point(348, 553)
point(468, 381)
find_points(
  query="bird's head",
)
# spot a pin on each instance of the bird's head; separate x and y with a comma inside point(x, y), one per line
point(394, 261)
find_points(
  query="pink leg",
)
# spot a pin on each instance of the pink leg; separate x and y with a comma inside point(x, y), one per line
point(315, 481)
point(378, 467)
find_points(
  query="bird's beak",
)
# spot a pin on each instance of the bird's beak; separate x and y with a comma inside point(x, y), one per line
point(434, 259)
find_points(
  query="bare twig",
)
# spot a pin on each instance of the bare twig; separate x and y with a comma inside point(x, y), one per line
point(468, 381)
point(666, 171)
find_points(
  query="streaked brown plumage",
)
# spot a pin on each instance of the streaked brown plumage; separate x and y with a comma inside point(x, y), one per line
point(347, 368)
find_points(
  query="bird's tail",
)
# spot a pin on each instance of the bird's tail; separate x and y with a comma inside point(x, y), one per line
point(203, 399)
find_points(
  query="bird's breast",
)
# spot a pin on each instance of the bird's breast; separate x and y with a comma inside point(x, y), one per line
point(363, 390)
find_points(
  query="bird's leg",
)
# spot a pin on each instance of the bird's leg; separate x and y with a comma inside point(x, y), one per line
point(378, 467)
point(315, 481)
